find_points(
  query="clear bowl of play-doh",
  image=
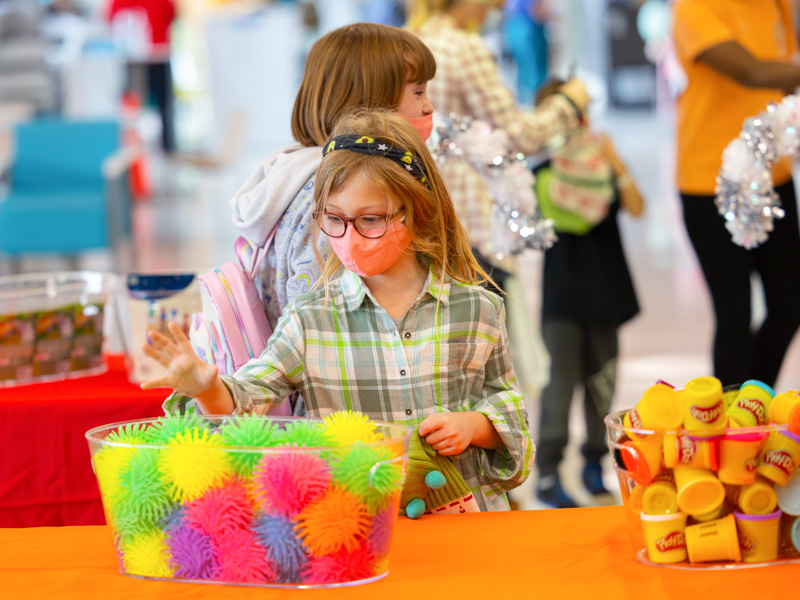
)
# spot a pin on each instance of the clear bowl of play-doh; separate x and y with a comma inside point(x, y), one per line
point(700, 475)
point(258, 501)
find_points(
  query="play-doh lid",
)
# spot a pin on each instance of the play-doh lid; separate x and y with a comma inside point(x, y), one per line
point(768, 517)
point(747, 436)
point(759, 384)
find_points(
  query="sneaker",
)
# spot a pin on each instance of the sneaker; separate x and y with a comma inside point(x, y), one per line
point(550, 492)
point(593, 480)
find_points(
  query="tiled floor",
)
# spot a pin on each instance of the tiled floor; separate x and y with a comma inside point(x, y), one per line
point(187, 224)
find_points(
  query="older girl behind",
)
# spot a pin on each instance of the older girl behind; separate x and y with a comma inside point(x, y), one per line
point(363, 64)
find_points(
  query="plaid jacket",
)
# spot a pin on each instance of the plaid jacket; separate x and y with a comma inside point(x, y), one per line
point(451, 354)
point(467, 82)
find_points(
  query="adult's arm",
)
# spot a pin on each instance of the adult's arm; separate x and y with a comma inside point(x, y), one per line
point(703, 33)
point(488, 99)
point(736, 62)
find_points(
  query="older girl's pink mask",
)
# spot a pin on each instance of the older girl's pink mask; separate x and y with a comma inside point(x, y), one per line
point(371, 256)
point(422, 125)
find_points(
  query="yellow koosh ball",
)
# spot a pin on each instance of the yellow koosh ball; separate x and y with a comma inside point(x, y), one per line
point(148, 555)
point(193, 462)
point(108, 465)
point(347, 427)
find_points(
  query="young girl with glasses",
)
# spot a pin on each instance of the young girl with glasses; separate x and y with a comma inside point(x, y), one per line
point(399, 330)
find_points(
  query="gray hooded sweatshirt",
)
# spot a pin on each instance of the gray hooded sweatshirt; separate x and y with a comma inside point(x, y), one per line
point(281, 191)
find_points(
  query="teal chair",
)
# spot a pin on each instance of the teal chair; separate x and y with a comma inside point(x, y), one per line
point(68, 190)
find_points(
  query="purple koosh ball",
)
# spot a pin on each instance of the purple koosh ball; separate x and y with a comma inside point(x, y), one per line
point(192, 553)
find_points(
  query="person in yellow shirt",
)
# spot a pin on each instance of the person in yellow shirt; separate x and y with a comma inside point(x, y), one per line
point(737, 56)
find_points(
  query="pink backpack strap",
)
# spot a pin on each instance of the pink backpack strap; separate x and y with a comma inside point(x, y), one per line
point(250, 256)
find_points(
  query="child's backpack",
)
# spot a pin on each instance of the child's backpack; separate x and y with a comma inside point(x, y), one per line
point(233, 326)
point(576, 188)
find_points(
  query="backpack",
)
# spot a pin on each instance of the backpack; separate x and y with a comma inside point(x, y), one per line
point(233, 327)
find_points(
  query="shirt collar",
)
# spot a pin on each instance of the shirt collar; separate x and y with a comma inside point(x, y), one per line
point(353, 289)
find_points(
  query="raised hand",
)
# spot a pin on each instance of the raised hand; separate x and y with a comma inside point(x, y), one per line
point(185, 372)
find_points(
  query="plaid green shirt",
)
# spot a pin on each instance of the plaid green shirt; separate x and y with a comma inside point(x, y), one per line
point(449, 355)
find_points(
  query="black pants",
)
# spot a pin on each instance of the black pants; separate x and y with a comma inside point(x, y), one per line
point(739, 352)
point(580, 353)
point(159, 79)
point(153, 83)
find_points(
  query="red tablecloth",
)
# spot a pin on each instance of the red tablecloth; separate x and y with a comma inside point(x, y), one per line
point(46, 476)
point(553, 554)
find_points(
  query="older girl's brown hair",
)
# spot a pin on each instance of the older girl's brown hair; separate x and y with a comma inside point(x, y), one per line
point(364, 64)
point(437, 235)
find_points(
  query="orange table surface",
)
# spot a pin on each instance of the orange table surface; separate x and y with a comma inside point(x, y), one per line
point(563, 554)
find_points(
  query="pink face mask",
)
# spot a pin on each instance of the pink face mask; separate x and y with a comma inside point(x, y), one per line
point(371, 256)
point(422, 125)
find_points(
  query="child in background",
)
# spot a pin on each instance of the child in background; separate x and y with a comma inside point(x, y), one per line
point(403, 334)
point(587, 293)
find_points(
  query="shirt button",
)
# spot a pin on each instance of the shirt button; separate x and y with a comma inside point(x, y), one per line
point(408, 334)
point(408, 411)
point(402, 372)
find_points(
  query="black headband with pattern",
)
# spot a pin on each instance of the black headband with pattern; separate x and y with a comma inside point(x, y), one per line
point(368, 145)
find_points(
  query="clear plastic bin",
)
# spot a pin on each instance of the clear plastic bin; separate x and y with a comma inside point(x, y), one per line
point(53, 325)
point(213, 500)
point(655, 467)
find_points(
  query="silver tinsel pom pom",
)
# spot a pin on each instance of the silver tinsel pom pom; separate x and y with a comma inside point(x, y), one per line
point(749, 214)
point(745, 192)
point(516, 224)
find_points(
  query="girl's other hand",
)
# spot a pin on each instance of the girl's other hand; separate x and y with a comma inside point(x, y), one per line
point(186, 373)
point(448, 433)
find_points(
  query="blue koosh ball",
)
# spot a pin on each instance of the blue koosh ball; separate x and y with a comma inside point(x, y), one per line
point(435, 480)
point(415, 508)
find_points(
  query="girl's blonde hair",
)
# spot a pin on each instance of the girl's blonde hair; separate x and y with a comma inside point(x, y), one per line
point(364, 64)
point(437, 235)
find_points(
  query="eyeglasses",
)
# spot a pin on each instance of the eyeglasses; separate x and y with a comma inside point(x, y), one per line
point(369, 226)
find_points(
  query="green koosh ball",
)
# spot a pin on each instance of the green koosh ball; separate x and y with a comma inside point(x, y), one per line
point(309, 434)
point(250, 431)
point(167, 428)
point(368, 472)
point(133, 433)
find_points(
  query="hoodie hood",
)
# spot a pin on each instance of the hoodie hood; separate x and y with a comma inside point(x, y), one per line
point(261, 202)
